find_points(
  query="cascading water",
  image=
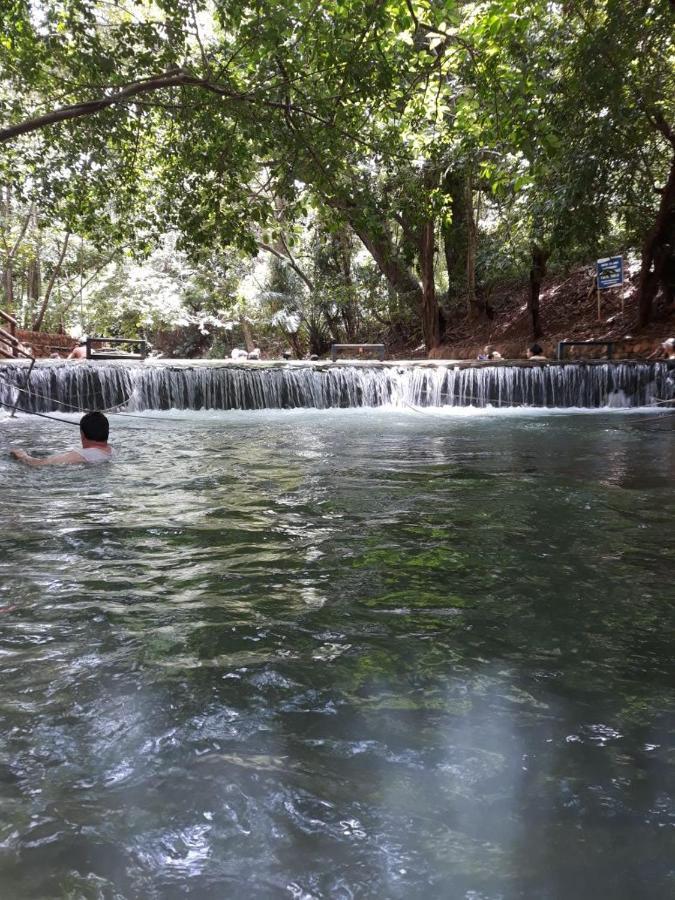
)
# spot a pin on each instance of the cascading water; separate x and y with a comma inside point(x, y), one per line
point(138, 387)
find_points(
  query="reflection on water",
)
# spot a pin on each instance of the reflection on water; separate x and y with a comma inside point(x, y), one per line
point(358, 654)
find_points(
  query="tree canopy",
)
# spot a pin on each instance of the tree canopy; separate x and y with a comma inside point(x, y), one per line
point(450, 139)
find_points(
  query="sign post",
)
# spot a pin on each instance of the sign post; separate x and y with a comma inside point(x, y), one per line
point(609, 274)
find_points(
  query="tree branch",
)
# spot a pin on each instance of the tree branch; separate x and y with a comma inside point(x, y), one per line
point(289, 261)
point(664, 127)
point(37, 324)
point(22, 233)
point(134, 89)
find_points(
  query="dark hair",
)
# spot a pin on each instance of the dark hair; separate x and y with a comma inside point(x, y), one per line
point(536, 350)
point(95, 427)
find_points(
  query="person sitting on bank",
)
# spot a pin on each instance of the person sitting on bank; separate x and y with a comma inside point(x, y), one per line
point(94, 432)
point(535, 352)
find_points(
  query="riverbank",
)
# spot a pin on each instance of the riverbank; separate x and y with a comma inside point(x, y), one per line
point(568, 312)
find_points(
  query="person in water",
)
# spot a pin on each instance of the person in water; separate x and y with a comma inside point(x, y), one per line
point(535, 352)
point(94, 431)
point(78, 352)
point(490, 352)
point(666, 349)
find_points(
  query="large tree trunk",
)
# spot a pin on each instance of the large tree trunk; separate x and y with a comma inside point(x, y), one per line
point(431, 322)
point(381, 248)
point(658, 254)
point(459, 242)
point(349, 308)
point(537, 275)
point(471, 244)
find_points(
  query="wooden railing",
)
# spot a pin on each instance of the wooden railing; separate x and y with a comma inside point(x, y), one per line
point(9, 337)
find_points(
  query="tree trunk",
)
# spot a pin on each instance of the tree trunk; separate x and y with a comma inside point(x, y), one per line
point(658, 254)
point(379, 242)
point(33, 279)
point(295, 344)
point(459, 243)
point(37, 324)
point(471, 242)
point(431, 322)
point(34, 269)
point(8, 286)
point(10, 255)
point(248, 337)
point(349, 308)
point(381, 248)
point(537, 275)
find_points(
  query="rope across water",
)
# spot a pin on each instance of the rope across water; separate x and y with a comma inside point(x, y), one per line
point(78, 409)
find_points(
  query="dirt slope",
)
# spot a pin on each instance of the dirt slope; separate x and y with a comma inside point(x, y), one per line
point(568, 312)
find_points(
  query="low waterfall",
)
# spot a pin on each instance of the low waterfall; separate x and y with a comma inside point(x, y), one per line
point(82, 386)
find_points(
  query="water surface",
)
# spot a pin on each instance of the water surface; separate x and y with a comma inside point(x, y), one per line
point(340, 654)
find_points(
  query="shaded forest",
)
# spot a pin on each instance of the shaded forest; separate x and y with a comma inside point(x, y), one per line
point(315, 172)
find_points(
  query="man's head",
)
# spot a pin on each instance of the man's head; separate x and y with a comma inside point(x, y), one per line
point(669, 345)
point(95, 427)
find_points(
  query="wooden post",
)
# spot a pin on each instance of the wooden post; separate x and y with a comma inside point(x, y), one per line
point(598, 284)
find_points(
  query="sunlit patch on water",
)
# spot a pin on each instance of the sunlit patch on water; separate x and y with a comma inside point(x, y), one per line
point(368, 653)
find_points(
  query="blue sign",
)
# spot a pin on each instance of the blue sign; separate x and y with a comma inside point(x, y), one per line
point(610, 272)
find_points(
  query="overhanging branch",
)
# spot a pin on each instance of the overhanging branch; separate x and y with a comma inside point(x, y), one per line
point(178, 78)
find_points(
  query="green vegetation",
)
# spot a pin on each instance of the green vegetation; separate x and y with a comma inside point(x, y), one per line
point(328, 170)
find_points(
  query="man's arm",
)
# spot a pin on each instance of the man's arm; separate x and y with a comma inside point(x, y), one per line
point(59, 459)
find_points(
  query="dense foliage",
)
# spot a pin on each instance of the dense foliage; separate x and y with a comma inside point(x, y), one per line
point(389, 160)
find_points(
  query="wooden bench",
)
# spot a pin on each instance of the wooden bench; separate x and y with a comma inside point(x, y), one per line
point(562, 345)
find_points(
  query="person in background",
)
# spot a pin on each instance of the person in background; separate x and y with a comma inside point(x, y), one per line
point(535, 352)
point(665, 349)
point(489, 352)
point(78, 352)
point(94, 433)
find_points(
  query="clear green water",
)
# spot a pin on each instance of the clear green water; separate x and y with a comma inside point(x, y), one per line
point(357, 654)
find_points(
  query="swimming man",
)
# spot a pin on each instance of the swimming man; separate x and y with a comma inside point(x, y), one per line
point(94, 431)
